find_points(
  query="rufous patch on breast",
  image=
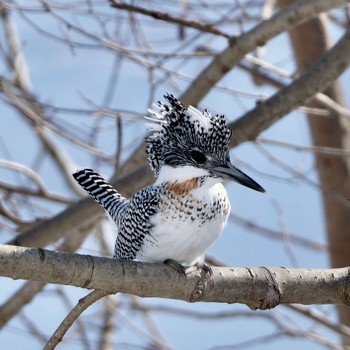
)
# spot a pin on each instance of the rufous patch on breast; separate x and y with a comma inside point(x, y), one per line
point(183, 188)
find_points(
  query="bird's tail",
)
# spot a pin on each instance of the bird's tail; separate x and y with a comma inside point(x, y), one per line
point(103, 193)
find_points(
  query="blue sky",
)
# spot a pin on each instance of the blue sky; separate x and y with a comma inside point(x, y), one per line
point(78, 79)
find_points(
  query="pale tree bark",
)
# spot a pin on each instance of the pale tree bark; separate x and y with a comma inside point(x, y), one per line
point(27, 292)
point(310, 40)
point(257, 287)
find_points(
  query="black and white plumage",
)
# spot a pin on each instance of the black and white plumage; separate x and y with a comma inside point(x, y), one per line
point(179, 133)
point(183, 213)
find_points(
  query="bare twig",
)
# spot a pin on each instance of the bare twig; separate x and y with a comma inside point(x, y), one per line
point(108, 329)
point(82, 305)
point(337, 152)
point(325, 100)
point(22, 79)
point(158, 338)
point(24, 170)
point(81, 327)
point(321, 319)
point(203, 27)
point(16, 59)
point(274, 234)
point(35, 193)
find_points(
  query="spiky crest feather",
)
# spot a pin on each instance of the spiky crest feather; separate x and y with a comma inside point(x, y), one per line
point(176, 130)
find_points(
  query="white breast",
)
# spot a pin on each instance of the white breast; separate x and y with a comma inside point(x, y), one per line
point(187, 225)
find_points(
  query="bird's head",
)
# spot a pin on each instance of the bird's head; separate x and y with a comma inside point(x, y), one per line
point(187, 137)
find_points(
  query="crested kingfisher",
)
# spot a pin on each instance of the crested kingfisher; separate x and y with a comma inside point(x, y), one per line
point(185, 211)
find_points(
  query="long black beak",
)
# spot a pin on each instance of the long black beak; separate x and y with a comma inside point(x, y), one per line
point(229, 172)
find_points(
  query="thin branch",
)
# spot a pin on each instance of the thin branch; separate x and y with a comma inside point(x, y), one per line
point(5, 212)
point(321, 319)
point(79, 215)
point(108, 330)
point(35, 193)
point(158, 338)
point(302, 177)
point(43, 125)
point(162, 16)
point(277, 235)
point(22, 80)
point(260, 65)
point(34, 330)
point(334, 106)
point(315, 149)
point(24, 170)
point(16, 59)
point(82, 331)
point(82, 305)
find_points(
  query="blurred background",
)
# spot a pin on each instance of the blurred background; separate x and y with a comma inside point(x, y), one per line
point(76, 79)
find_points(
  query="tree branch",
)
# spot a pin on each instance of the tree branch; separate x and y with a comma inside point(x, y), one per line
point(29, 106)
point(82, 305)
point(316, 79)
point(28, 291)
point(203, 27)
point(258, 287)
point(284, 20)
point(78, 215)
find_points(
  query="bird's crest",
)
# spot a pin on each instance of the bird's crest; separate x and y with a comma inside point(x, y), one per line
point(177, 130)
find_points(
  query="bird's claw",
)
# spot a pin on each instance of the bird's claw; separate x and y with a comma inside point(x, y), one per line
point(182, 269)
point(207, 269)
point(176, 266)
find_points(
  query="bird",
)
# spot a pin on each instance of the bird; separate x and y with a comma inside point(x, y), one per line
point(184, 212)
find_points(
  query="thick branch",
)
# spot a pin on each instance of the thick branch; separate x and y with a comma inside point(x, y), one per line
point(28, 291)
point(259, 288)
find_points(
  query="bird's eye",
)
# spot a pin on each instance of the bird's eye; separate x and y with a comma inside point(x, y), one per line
point(198, 156)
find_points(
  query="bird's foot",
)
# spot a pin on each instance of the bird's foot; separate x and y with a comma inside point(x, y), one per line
point(176, 266)
point(206, 268)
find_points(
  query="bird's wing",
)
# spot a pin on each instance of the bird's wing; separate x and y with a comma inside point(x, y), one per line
point(136, 223)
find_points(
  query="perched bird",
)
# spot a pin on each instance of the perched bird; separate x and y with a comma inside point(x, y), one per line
point(185, 211)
